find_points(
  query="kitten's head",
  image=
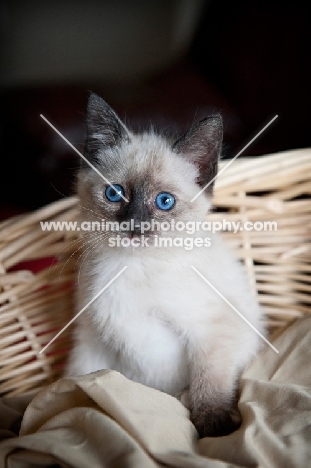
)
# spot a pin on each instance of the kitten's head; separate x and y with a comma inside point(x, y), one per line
point(156, 177)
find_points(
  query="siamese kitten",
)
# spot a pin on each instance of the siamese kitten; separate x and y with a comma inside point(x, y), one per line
point(159, 323)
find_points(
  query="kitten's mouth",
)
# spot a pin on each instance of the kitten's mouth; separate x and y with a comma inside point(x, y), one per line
point(134, 239)
point(132, 234)
point(137, 235)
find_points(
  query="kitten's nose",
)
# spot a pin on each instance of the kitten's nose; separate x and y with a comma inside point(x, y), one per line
point(136, 212)
point(137, 226)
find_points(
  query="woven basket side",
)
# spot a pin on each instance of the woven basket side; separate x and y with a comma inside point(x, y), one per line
point(272, 188)
point(35, 306)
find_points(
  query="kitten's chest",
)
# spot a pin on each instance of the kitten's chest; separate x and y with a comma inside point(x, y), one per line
point(151, 305)
point(149, 293)
point(132, 318)
point(135, 305)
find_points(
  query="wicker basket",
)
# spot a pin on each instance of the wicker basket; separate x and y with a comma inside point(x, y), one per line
point(36, 303)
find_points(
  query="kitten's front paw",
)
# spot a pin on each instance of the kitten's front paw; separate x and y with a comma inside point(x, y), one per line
point(184, 398)
point(217, 421)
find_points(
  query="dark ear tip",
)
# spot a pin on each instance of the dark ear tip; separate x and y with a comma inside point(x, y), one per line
point(215, 120)
point(94, 98)
point(91, 95)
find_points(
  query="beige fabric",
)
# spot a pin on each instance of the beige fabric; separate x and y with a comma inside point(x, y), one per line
point(104, 420)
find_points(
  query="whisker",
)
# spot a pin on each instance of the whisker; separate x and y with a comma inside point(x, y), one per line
point(90, 241)
point(73, 253)
point(89, 250)
point(88, 209)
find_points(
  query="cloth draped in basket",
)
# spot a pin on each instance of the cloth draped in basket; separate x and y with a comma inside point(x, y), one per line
point(104, 420)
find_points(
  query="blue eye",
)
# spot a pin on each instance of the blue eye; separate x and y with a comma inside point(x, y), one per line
point(113, 193)
point(165, 201)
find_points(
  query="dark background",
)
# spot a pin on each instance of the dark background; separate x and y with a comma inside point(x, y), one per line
point(248, 60)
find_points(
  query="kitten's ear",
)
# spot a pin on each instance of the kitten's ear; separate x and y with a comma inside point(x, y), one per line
point(201, 145)
point(104, 128)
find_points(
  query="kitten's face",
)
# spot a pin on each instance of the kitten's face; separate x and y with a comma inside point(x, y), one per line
point(158, 179)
